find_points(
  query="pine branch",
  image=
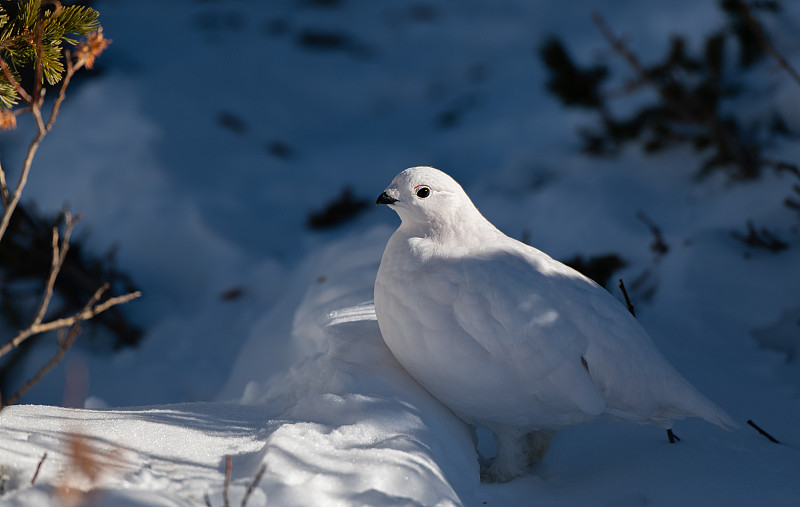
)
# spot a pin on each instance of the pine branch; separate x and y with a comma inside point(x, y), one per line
point(687, 106)
point(87, 52)
point(74, 19)
point(36, 35)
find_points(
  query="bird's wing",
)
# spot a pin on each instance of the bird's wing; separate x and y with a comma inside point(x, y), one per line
point(504, 303)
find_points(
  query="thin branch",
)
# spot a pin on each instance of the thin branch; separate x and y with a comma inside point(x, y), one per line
point(765, 43)
point(38, 468)
point(65, 343)
point(253, 484)
point(619, 46)
point(226, 486)
point(23, 177)
point(758, 429)
point(62, 92)
point(85, 314)
point(672, 437)
point(59, 255)
point(627, 301)
point(37, 85)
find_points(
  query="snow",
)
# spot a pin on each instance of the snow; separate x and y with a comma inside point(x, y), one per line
point(294, 374)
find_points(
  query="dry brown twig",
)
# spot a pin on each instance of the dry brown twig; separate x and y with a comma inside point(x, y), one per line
point(253, 484)
point(69, 328)
point(38, 469)
point(226, 486)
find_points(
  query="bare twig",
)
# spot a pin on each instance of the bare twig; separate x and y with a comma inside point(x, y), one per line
point(85, 314)
point(672, 437)
point(253, 484)
point(758, 429)
point(627, 301)
point(59, 255)
point(64, 344)
point(62, 92)
point(619, 46)
point(38, 468)
point(765, 43)
point(23, 177)
point(207, 500)
point(226, 486)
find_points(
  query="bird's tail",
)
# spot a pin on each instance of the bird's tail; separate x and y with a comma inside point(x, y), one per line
point(694, 403)
point(716, 415)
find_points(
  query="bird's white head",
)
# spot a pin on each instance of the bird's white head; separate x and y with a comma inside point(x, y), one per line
point(428, 198)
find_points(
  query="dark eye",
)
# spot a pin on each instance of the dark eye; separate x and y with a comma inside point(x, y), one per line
point(423, 192)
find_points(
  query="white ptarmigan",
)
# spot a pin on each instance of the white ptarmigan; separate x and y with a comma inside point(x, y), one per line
point(508, 338)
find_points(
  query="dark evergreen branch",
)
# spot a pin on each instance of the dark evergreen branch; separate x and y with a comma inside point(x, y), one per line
point(764, 41)
point(689, 108)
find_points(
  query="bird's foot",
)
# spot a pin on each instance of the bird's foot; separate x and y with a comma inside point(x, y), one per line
point(517, 455)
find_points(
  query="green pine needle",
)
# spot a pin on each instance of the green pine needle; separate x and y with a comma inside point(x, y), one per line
point(8, 95)
point(32, 21)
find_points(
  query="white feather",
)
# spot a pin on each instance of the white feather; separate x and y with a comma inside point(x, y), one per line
point(509, 338)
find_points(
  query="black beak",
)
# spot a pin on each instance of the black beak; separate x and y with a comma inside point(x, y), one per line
point(385, 198)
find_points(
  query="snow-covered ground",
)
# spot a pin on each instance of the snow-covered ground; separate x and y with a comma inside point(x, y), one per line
point(211, 135)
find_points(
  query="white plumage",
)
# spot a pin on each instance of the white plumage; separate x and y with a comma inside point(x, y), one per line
point(508, 338)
